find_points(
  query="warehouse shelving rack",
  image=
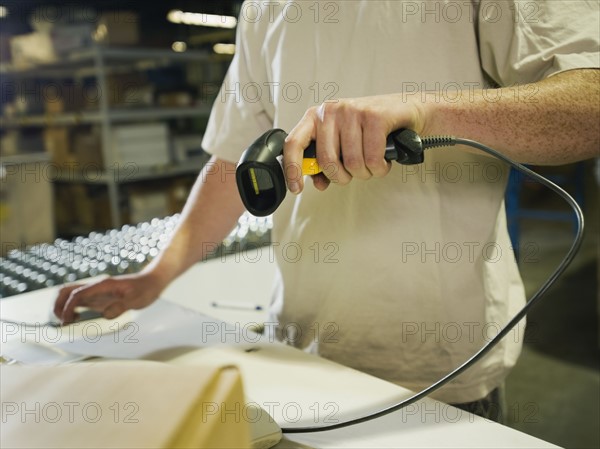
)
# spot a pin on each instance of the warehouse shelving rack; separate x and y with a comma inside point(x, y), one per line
point(97, 62)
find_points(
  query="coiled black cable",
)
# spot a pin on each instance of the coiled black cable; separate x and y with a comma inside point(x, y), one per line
point(444, 141)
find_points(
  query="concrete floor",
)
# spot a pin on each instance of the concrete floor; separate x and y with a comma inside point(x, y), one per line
point(554, 391)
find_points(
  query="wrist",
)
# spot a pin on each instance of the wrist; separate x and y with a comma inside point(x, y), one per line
point(157, 276)
point(409, 112)
point(433, 116)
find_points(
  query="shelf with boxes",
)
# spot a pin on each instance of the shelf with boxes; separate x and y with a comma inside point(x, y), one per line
point(91, 117)
point(111, 117)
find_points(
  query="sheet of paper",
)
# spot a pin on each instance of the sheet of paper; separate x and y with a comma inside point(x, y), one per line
point(161, 326)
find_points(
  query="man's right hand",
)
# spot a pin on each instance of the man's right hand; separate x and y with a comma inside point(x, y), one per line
point(210, 213)
point(111, 296)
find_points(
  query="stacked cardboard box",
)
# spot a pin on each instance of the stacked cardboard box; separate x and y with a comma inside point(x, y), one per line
point(145, 145)
point(26, 204)
point(55, 39)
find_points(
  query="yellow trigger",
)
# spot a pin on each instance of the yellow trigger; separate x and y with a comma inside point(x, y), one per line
point(310, 166)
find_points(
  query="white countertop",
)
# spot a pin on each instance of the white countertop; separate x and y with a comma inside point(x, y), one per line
point(295, 387)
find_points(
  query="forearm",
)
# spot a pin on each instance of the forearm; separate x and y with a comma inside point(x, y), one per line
point(211, 211)
point(554, 121)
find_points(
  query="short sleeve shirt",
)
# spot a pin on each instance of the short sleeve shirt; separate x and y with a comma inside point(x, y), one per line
point(406, 276)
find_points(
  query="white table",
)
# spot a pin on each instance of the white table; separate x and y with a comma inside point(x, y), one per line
point(295, 387)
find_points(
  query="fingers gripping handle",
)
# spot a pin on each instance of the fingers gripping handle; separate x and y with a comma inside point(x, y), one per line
point(261, 181)
point(403, 146)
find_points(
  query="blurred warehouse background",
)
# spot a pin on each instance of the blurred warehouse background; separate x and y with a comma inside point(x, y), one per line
point(86, 88)
point(103, 108)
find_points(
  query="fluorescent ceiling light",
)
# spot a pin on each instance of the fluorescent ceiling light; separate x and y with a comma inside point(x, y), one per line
point(199, 19)
point(3, 12)
point(224, 49)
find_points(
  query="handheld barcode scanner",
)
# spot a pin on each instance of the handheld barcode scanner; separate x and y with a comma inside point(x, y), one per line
point(262, 187)
point(259, 173)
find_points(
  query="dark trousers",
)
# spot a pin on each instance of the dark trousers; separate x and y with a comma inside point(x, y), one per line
point(491, 407)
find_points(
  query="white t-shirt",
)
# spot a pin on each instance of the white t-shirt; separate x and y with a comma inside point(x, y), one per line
point(402, 277)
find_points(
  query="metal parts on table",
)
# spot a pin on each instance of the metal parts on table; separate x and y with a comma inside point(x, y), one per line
point(117, 251)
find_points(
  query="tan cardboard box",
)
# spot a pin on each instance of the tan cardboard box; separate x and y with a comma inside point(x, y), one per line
point(29, 50)
point(57, 141)
point(27, 205)
point(118, 28)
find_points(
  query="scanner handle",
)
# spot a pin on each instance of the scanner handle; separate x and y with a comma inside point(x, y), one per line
point(403, 146)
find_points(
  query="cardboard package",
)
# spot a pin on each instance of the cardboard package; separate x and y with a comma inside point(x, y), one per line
point(122, 404)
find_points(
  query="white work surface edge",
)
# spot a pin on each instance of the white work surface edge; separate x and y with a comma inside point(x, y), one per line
point(296, 388)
